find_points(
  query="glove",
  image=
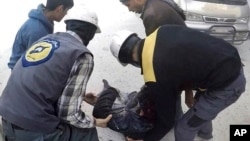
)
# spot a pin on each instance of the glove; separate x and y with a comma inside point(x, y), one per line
point(125, 116)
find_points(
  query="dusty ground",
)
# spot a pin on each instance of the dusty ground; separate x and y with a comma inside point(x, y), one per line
point(128, 78)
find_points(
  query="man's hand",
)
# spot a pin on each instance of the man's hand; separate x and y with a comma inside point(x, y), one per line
point(130, 139)
point(103, 122)
point(189, 98)
point(90, 98)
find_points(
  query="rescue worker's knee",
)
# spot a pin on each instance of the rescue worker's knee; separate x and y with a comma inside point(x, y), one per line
point(195, 121)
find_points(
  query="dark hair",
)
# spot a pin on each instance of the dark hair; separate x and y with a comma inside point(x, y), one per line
point(52, 4)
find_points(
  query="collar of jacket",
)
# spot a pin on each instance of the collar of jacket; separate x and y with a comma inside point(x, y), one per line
point(74, 35)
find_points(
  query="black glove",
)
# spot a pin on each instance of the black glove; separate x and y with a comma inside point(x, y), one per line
point(125, 116)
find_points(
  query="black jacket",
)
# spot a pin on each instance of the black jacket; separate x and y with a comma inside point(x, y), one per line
point(174, 58)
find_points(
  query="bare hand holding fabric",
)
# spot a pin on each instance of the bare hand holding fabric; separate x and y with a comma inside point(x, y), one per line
point(102, 122)
point(130, 139)
point(90, 98)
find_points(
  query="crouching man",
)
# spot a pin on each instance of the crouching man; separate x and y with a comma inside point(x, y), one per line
point(174, 58)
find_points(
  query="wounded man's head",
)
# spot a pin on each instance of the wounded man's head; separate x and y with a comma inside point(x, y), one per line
point(125, 110)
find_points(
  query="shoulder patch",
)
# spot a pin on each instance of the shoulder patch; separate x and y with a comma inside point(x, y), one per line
point(40, 52)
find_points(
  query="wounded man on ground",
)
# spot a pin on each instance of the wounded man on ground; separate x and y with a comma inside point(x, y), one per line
point(131, 114)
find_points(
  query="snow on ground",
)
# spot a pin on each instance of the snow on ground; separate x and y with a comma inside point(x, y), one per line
point(113, 16)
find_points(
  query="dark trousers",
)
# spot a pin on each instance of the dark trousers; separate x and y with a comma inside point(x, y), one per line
point(64, 132)
point(198, 119)
point(179, 111)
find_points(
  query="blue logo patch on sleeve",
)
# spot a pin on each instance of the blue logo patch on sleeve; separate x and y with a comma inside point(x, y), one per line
point(40, 52)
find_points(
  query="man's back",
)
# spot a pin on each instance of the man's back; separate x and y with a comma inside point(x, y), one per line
point(192, 59)
point(34, 82)
point(157, 13)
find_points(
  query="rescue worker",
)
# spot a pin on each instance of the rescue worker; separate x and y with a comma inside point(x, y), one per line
point(43, 96)
point(39, 24)
point(174, 58)
point(155, 13)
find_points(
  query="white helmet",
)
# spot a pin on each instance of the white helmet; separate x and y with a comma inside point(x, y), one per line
point(118, 39)
point(82, 13)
